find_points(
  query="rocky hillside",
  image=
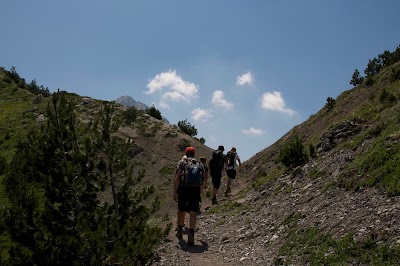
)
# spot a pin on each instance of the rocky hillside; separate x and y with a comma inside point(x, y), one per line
point(341, 207)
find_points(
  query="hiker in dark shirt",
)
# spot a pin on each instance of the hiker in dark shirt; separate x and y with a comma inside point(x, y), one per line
point(233, 157)
point(187, 195)
point(216, 165)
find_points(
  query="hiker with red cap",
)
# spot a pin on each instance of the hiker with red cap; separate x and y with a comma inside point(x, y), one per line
point(188, 183)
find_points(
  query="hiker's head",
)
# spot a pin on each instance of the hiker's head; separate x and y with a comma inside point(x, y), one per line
point(221, 148)
point(189, 151)
point(233, 149)
point(203, 159)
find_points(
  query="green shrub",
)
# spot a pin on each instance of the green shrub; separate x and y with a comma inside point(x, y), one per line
point(369, 81)
point(312, 151)
point(395, 75)
point(3, 164)
point(183, 144)
point(292, 154)
point(387, 98)
point(130, 114)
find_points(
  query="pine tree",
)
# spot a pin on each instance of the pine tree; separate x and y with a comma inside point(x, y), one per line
point(55, 214)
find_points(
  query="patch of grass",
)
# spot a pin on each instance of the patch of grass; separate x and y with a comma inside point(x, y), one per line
point(167, 170)
point(220, 222)
point(311, 246)
point(379, 166)
point(156, 126)
point(316, 173)
point(227, 207)
point(262, 179)
point(183, 144)
point(3, 198)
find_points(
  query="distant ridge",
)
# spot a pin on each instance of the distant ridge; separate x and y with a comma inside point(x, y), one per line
point(129, 102)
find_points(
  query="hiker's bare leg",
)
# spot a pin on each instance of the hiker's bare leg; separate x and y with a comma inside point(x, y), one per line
point(215, 191)
point(181, 218)
point(228, 187)
point(193, 219)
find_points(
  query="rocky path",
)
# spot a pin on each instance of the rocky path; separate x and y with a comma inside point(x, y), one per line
point(250, 228)
point(210, 239)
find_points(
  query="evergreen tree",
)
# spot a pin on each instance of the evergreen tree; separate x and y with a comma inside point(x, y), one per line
point(330, 103)
point(187, 128)
point(356, 78)
point(55, 215)
point(154, 112)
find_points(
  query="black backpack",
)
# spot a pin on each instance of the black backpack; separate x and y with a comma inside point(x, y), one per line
point(216, 163)
point(192, 175)
point(231, 156)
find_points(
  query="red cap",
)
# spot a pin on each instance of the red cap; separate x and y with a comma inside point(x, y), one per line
point(189, 151)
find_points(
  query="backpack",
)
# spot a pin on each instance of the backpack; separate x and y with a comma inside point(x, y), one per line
point(216, 163)
point(231, 156)
point(192, 175)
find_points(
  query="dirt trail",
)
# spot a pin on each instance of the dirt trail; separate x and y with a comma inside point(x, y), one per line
point(205, 252)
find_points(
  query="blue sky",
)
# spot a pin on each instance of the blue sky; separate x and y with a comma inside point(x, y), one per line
point(242, 72)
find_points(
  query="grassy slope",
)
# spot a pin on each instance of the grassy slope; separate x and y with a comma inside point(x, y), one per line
point(361, 101)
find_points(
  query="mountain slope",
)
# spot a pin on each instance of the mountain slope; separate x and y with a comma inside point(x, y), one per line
point(340, 207)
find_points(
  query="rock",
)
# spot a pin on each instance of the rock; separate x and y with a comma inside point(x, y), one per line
point(296, 171)
point(38, 99)
point(86, 100)
point(40, 118)
point(134, 150)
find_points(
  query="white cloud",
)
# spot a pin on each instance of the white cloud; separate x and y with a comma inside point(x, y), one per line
point(253, 131)
point(245, 79)
point(218, 100)
point(275, 102)
point(179, 89)
point(201, 114)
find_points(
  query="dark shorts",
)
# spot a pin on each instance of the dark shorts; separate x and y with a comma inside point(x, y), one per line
point(216, 180)
point(188, 199)
point(231, 173)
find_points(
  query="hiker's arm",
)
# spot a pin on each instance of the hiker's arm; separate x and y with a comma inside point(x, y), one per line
point(240, 164)
point(176, 184)
point(205, 179)
point(227, 162)
point(204, 187)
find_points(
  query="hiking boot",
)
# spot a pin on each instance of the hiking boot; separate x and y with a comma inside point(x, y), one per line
point(191, 237)
point(198, 211)
point(179, 233)
point(214, 201)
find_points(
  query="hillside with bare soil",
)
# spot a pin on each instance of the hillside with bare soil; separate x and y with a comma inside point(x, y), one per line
point(342, 206)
